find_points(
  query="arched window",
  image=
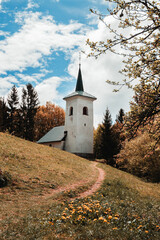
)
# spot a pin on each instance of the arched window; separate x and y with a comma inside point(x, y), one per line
point(71, 111)
point(85, 111)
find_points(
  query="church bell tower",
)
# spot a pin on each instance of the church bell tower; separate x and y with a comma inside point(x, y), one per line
point(79, 120)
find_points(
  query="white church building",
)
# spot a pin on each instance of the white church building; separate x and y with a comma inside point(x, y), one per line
point(77, 134)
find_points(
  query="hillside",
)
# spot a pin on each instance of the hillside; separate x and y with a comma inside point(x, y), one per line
point(37, 170)
point(125, 207)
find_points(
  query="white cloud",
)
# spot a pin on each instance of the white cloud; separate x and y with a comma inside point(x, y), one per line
point(38, 36)
point(47, 90)
point(34, 78)
point(32, 4)
point(6, 84)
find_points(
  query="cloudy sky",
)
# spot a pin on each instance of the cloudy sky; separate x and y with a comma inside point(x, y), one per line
point(40, 42)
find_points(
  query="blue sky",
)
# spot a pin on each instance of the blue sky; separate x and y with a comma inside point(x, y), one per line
point(40, 42)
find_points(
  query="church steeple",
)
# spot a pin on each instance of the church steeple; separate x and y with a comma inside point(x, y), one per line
point(79, 85)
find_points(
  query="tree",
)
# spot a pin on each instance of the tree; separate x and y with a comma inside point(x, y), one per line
point(28, 111)
point(120, 116)
point(97, 142)
point(140, 49)
point(105, 142)
point(144, 110)
point(13, 102)
point(3, 115)
point(46, 118)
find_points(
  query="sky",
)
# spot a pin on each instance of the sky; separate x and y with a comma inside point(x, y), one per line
point(40, 41)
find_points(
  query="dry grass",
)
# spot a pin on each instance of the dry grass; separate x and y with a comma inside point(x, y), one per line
point(37, 171)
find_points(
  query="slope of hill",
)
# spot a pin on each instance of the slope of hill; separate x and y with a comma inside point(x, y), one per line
point(125, 207)
point(38, 170)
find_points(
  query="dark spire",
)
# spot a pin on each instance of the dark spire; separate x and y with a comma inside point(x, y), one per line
point(79, 85)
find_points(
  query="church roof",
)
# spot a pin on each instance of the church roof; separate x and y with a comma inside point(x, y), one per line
point(56, 134)
point(79, 91)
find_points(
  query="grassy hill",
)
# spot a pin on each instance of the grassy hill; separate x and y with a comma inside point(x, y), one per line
point(31, 163)
point(36, 171)
point(125, 207)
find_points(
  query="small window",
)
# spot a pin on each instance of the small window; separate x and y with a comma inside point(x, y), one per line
point(85, 111)
point(71, 111)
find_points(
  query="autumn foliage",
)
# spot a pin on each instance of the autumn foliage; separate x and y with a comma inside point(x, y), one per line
point(141, 157)
point(46, 118)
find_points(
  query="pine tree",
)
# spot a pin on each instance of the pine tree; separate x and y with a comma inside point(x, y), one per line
point(13, 102)
point(30, 101)
point(120, 116)
point(23, 114)
point(105, 143)
point(107, 138)
point(3, 115)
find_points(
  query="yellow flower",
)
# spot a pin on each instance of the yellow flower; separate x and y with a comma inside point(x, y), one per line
point(116, 215)
point(139, 226)
point(146, 231)
point(63, 217)
point(109, 217)
point(48, 212)
point(101, 218)
point(115, 218)
point(105, 220)
point(115, 228)
point(94, 220)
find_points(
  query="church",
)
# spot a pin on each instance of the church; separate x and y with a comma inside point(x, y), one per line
point(76, 136)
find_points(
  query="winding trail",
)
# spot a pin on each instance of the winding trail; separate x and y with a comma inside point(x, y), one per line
point(96, 185)
point(93, 188)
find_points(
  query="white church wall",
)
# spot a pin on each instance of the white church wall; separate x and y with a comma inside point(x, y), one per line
point(79, 127)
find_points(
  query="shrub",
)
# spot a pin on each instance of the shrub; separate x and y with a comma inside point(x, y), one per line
point(141, 157)
point(5, 178)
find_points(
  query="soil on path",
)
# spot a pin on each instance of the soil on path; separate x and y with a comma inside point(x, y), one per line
point(90, 191)
point(96, 185)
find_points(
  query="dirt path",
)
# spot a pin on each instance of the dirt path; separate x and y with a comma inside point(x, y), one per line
point(90, 191)
point(96, 185)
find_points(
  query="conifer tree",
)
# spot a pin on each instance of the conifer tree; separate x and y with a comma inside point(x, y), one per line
point(30, 105)
point(23, 114)
point(120, 116)
point(3, 115)
point(13, 102)
point(105, 145)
